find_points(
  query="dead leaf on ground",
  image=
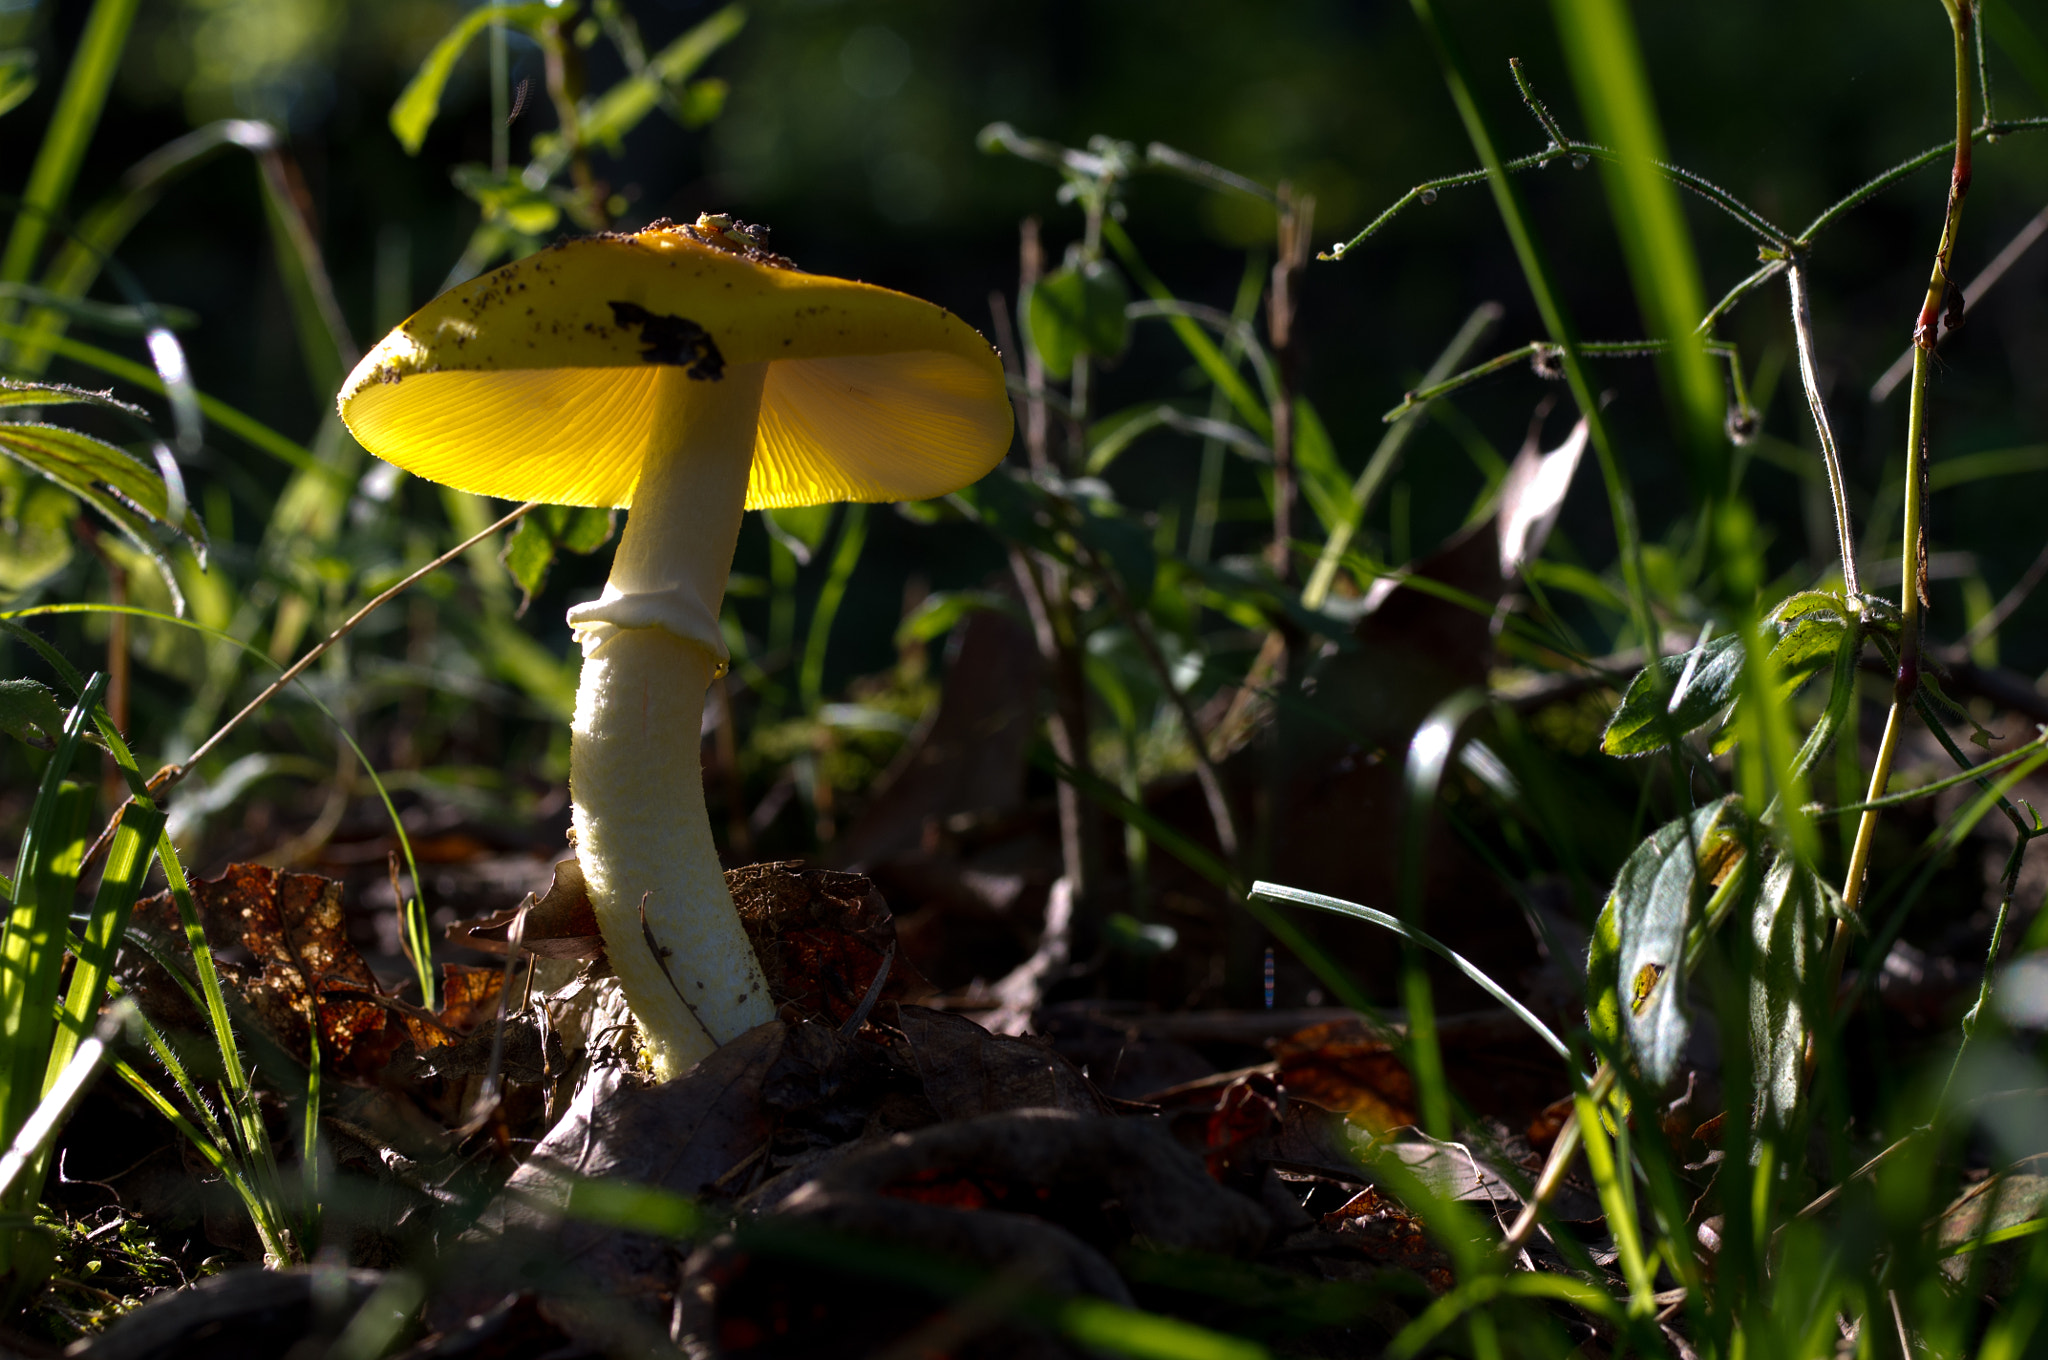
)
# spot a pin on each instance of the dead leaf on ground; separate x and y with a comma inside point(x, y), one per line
point(1380, 1228)
point(294, 931)
point(967, 1071)
point(1101, 1178)
point(822, 938)
point(1345, 1066)
point(560, 923)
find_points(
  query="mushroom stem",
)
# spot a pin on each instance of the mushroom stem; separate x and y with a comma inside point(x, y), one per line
point(651, 648)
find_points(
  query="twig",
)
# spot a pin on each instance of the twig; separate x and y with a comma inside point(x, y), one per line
point(170, 775)
point(1809, 377)
point(1551, 1177)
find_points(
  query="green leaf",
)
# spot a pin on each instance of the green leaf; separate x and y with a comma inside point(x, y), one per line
point(17, 76)
point(35, 530)
point(1805, 602)
point(27, 707)
point(111, 482)
point(1786, 980)
point(508, 201)
point(1075, 310)
point(550, 529)
point(1648, 719)
point(701, 102)
point(1323, 479)
point(1806, 646)
point(941, 611)
point(619, 110)
point(1636, 969)
point(17, 393)
point(420, 101)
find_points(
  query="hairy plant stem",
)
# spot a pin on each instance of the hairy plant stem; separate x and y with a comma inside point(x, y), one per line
point(1913, 546)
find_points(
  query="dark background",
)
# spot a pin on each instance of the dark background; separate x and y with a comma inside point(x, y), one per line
point(850, 130)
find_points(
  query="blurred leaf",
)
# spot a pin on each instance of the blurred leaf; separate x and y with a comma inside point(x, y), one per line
point(506, 200)
point(1606, 63)
point(1145, 939)
point(68, 133)
point(17, 76)
point(28, 707)
point(1654, 713)
point(1126, 546)
point(104, 315)
point(420, 101)
point(1785, 985)
point(550, 529)
point(1323, 479)
point(619, 110)
point(941, 611)
point(1636, 968)
point(702, 101)
point(1075, 310)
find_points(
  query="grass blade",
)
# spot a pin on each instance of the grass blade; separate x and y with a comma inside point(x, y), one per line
point(71, 128)
point(1607, 71)
point(127, 866)
point(1301, 897)
point(26, 1154)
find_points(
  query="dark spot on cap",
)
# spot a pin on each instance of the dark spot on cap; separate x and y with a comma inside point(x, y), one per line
point(672, 340)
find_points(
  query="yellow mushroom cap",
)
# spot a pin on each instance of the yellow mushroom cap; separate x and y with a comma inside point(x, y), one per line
point(538, 381)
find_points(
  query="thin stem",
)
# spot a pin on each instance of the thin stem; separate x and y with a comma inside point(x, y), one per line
point(1912, 546)
point(1989, 131)
point(1809, 377)
point(1535, 105)
point(1971, 774)
point(1985, 281)
point(1560, 145)
point(1764, 274)
point(1543, 352)
point(1381, 465)
point(171, 774)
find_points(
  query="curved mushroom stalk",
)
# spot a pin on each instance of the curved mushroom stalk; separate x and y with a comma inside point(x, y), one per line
point(651, 648)
point(687, 373)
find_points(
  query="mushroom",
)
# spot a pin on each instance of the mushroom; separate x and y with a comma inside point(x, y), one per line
point(687, 373)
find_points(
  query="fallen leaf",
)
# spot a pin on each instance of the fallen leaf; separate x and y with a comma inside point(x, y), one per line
point(294, 929)
point(1345, 1066)
point(967, 1071)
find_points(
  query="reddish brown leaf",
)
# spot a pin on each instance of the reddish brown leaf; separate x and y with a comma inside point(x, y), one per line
point(296, 935)
point(822, 938)
point(1248, 1110)
point(1377, 1227)
point(1344, 1066)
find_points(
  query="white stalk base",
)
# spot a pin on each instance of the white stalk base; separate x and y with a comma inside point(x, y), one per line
point(642, 834)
